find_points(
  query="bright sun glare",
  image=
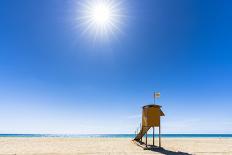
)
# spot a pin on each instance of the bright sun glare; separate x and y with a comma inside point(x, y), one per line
point(100, 18)
point(101, 14)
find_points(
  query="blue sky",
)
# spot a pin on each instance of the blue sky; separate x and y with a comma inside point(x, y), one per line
point(54, 80)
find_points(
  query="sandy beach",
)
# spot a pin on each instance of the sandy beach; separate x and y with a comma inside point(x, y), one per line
point(111, 146)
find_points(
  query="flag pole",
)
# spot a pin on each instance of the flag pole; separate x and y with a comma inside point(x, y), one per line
point(154, 97)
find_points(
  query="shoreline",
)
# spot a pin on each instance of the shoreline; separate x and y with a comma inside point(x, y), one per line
point(114, 135)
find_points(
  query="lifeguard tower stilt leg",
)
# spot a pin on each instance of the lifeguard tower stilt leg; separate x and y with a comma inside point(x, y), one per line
point(153, 136)
point(146, 139)
point(159, 138)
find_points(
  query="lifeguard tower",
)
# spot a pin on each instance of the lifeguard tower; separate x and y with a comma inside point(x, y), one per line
point(151, 115)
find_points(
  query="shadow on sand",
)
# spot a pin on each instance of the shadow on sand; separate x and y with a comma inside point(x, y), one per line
point(160, 149)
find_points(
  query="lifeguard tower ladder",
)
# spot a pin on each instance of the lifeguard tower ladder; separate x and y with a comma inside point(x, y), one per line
point(151, 115)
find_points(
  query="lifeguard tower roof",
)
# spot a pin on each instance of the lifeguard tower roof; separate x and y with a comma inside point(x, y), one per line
point(156, 106)
point(151, 105)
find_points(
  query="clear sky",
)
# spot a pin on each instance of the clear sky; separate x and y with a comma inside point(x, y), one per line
point(55, 80)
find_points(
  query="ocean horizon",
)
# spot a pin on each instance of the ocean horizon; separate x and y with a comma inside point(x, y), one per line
point(116, 135)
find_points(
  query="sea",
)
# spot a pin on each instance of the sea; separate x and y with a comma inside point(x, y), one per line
point(117, 135)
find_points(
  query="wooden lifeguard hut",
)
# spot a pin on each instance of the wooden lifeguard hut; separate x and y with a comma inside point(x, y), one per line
point(151, 115)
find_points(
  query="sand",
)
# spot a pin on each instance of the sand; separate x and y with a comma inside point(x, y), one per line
point(111, 146)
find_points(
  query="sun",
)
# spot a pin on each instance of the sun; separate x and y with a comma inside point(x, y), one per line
point(101, 14)
point(100, 18)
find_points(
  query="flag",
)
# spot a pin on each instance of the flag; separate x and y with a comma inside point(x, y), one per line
point(156, 94)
